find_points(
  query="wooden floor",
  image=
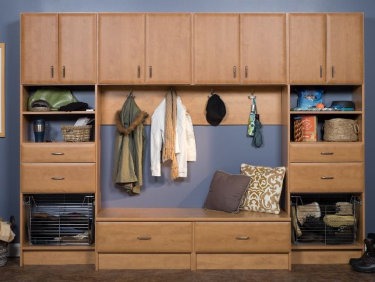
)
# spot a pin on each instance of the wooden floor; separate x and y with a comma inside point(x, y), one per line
point(13, 272)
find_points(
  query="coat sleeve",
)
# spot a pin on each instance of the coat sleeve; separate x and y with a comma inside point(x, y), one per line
point(157, 138)
point(190, 140)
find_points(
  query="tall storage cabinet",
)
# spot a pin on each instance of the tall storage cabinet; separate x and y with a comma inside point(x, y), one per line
point(326, 55)
point(58, 179)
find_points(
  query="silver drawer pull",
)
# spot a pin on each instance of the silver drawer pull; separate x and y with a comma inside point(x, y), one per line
point(144, 238)
point(326, 153)
point(327, 177)
point(57, 154)
point(57, 178)
point(242, 238)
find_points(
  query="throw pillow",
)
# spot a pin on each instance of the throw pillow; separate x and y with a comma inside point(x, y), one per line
point(226, 191)
point(264, 191)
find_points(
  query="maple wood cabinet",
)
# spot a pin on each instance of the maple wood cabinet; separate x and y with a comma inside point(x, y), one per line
point(145, 48)
point(58, 48)
point(326, 48)
point(263, 48)
point(239, 48)
point(216, 48)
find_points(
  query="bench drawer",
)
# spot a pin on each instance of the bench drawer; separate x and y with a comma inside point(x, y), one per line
point(326, 177)
point(150, 237)
point(242, 237)
point(58, 178)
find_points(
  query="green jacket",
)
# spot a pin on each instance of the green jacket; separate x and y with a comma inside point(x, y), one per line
point(129, 147)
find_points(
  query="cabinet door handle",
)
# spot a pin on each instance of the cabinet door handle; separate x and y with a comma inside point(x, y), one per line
point(234, 71)
point(57, 154)
point(150, 71)
point(333, 71)
point(139, 71)
point(327, 177)
point(58, 178)
point(144, 238)
point(326, 153)
point(321, 71)
point(63, 71)
point(246, 71)
point(52, 72)
point(242, 238)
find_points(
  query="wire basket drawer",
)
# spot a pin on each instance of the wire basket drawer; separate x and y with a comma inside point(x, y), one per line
point(60, 219)
point(326, 222)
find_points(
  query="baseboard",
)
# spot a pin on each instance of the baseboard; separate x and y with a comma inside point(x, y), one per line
point(14, 250)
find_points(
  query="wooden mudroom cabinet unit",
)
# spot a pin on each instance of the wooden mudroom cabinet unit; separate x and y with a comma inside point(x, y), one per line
point(100, 57)
point(58, 48)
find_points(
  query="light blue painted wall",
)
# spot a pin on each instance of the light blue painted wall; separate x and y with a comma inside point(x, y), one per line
point(211, 142)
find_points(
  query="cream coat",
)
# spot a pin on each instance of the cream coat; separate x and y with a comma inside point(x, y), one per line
point(185, 147)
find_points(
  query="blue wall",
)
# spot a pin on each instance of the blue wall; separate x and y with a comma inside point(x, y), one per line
point(212, 142)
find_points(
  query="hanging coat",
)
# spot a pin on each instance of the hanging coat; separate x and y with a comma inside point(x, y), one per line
point(129, 147)
point(185, 147)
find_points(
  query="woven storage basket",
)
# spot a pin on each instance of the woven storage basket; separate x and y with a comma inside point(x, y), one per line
point(3, 253)
point(76, 133)
point(340, 129)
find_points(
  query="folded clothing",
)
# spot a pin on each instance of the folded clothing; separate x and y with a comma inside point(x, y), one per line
point(344, 208)
point(334, 220)
point(312, 209)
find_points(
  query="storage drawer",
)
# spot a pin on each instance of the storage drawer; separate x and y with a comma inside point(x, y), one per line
point(150, 237)
point(58, 152)
point(243, 261)
point(143, 261)
point(58, 178)
point(326, 177)
point(242, 237)
point(326, 152)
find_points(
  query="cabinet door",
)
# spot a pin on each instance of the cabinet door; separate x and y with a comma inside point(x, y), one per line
point(216, 48)
point(307, 45)
point(121, 48)
point(77, 48)
point(168, 48)
point(263, 48)
point(39, 47)
point(345, 48)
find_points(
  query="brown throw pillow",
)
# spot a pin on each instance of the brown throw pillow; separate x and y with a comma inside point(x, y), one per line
point(226, 191)
point(264, 191)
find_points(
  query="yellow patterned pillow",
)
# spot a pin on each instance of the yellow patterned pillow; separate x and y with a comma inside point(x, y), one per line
point(264, 190)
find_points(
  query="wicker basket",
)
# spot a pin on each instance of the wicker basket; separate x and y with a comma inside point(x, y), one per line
point(76, 133)
point(3, 253)
point(341, 129)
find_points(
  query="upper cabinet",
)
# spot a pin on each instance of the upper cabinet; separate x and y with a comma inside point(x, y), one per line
point(121, 48)
point(145, 48)
point(239, 48)
point(58, 48)
point(326, 48)
point(345, 48)
point(307, 41)
point(263, 48)
point(216, 48)
point(168, 48)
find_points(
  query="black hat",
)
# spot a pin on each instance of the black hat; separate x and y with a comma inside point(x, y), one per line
point(74, 106)
point(215, 110)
